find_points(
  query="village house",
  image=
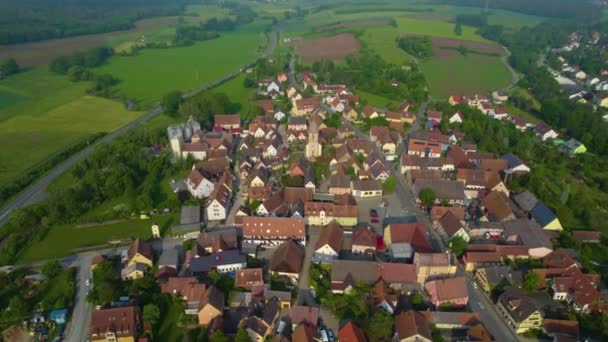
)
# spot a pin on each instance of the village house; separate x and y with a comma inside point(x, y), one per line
point(451, 291)
point(215, 241)
point(515, 165)
point(365, 188)
point(227, 123)
point(496, 207)
point(273, 230)
point(339, 185)
point(456, 118)
point(186, 288)
point(490, 277)
point(500, 96)
point(519, 311)
point(363, 241)
point(249, 277)
point(545, 217)
point(545, 132)
point(287, 260)
point(190, 222)
point(451, 192)
point(431, 266)
point(115, 324)
point(329, 243)
point(450, 226)
point(411, 326)
point(304, 106)
point(344, 211)
point(260, 324)
point(211, 306)
point(223, 262)
point(219, 200)
point(351, 333)
point(137, 260)
point(410, 237)
point(346, 273)
point(530, 234)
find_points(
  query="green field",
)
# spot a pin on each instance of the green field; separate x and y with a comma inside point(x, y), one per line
point(436, 29)
point(64, 240)
point(465, 75)
point(149, 75)
point(383, 40)
point(235, 90)
point(376, 100)
point(41, 114)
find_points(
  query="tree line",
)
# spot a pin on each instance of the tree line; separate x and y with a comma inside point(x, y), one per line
point(419, 47)
point(8, 67)
point(367, 71)
point(36, 20)
point(563, 9)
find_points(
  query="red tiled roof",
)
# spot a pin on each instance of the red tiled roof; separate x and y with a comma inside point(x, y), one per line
point(269, 227)
point(559, 326)
point(122, 321)
point(351, 333)
point(363, 236)
point(413, 233)
point(411, 323)
point(249, 277)
point(188, 287)
point(331, 235)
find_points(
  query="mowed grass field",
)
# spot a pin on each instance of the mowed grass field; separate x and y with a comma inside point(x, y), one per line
point(41, 114)
point(68, 239)
point(151, 74)
point(436, 28)
point(465, 75)
point(383, 40)
point(236, 92)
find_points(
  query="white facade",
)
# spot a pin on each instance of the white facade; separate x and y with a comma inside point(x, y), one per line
point(204, 188)
point(216, 211)
point(196, 155)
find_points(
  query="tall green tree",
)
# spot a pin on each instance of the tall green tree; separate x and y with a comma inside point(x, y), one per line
point(427, 196)
point(458, 245)
point(51, 269)
point(151, 314)
point(458, 28)
point(381, 326)
point(9, 67)
point(171, 102)
point(242, 336)
point(531, 281)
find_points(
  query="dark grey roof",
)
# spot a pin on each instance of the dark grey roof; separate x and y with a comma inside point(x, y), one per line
point(529, 232)
point(206, 263)
point(190, 214)
point(525, 200)
point(499, 274)
point(443, 189)
point(512, 159)
point(519, 305)
point(542, 214)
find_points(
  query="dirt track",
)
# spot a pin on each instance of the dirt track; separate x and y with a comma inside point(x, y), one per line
point(330, 48)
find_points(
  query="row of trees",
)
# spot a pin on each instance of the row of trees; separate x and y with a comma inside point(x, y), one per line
point(90, 59)
point(36, 20)
point(368, 72)
point(563, 9)
point(8, 67)
point(419, 47)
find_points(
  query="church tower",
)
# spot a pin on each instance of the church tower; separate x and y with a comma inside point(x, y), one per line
point(313, 148)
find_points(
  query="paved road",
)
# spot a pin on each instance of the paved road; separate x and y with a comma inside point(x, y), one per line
point(479, 302)
point(36, 192)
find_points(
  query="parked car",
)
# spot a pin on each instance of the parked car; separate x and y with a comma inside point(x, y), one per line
point(88, 282)
point(373, 215)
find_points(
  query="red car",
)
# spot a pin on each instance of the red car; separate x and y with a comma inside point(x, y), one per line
point(373, 215)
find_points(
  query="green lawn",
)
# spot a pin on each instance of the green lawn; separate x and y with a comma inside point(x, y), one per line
point(154, 72)
point(169, 330)
point(236, 92)
point(465, 75)
point(383, 40)
point(375, 100)
point(67, 239)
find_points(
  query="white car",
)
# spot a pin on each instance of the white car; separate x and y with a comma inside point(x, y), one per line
point(88, 282)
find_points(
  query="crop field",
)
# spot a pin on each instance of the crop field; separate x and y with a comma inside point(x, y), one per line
point(332, 48)
point(37, 53)
point(29, 139)
point(152, 73)
point(445, 48)
point(64, 240)
point(465, 74)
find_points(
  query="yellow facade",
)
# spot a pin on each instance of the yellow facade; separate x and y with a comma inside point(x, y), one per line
point(138, 258)
point(426, 272)
point(347, 221)
point(554, 225)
